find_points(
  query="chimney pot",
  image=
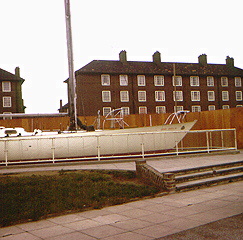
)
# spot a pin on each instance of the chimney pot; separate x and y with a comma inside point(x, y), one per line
point(123, 56)
point(229, 61)
point(202, 59)
point(157, 57)
point(17, 71)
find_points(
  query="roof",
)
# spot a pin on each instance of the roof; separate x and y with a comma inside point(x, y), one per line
point(4, 75)
point(137, 67)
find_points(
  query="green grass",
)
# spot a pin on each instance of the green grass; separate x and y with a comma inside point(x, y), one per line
point(25, 198)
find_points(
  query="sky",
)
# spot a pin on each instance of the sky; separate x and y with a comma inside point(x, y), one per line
point(33, 37)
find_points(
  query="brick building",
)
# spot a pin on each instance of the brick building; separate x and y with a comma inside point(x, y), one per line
point(11, 92)
point(149, 87)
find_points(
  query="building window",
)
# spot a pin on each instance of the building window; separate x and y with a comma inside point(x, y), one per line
point(159, 80)
point(160, 109)
point(196, 108)
point(141, 80)
point(211, 96)
point(210, 81)
point(225, 107)
point(142, 110)
point(178, 108)
point(195, 95)
point(123, 80)
point(238, 82)
point(177, 81)
point(211, 107)
point(225, 95)
point(159, 96)
point(239, 105)
point(124, 96)
point(105, 80)
point(106, 96)
point(224, 81)
point(177, 95)
point(194, 81)
point(6, 86)
point(106, 110)
point(142, 96)
point(238, 95)
point(7, 102)
point(125, 110)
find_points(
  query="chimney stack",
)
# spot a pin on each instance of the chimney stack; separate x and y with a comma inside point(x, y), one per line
point(157, 57)
point(230, 61)
point(202, 59)
point(17, 72)
point(123, 56)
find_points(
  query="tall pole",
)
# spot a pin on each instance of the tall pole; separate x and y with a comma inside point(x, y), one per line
point(72, 99)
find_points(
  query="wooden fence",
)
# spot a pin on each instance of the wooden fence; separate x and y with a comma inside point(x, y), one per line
point(218, 119)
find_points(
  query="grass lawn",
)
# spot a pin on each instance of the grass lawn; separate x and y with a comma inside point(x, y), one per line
point(33, 197)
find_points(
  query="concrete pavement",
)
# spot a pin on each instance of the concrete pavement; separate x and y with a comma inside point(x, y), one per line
point(151, 218)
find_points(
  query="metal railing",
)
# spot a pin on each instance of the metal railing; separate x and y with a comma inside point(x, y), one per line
point(195, 141)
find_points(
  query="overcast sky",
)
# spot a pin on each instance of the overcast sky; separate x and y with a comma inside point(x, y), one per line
point(33, 37)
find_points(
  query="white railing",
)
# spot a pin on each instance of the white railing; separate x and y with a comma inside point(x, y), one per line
point(194, 142)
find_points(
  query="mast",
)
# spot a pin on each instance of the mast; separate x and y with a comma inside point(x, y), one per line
point(174, 75)
point(72, 99)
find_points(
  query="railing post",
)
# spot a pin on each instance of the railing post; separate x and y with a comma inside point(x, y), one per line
point(98, 147)
point(142, 144)
point(235, 138)
point(53, 150)
point(6, 152)
point(222, 139)
point(208, 147)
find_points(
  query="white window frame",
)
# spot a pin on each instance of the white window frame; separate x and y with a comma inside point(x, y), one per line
point(211, 96)
point(177, 81)
point(142, 96)
point(224, 82)
point(141, 80)
point(159, 80)
point(125, 110)
point(211, 107)
point(159, 96)
point(106, 110)
point(106, 96)
point(194, 81)
point(238, 82)
point(179, 96)
point(6, 86)
point(7, 102)
point(210, 81)
point(195, 96)
point(124, 96)
point(143, 110)
point(105, 80)
point(238, 95)
point(196, 108)
point(123, 80)
point(225, 96)
point(160, 109)
point(225, 107)
point(178, 108)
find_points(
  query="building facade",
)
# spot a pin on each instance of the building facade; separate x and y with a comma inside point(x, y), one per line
point(157, 87)
point(11, 92)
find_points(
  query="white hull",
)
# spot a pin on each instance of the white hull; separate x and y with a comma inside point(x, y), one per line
point(98, 143)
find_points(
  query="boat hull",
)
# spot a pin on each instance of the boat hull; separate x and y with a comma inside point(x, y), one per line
point(98, 143)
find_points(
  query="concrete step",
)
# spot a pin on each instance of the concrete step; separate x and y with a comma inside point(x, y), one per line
point(208, 168)
point(207, 174)
point(191, 185)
